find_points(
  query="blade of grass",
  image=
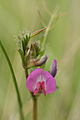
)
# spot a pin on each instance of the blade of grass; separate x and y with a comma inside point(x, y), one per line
point(54, 16)
point(14, 81)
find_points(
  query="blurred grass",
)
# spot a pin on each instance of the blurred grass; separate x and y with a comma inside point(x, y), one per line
point(63, 43)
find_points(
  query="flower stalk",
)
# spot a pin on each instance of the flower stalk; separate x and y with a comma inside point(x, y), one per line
point(35, 107)
point(26, 72)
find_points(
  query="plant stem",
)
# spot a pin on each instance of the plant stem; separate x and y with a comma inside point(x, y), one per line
point(14, 81)
point(34, 108)
point(26, 72)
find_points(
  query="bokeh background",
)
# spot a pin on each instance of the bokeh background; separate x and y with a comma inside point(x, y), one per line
point(63, 43)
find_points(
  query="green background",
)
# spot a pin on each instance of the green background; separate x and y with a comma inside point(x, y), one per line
point(63, 43)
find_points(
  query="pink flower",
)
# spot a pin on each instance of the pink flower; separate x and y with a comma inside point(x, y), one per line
point(40, 81)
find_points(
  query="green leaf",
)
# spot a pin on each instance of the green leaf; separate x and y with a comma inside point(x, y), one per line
point(21, 54)
point(25, 41)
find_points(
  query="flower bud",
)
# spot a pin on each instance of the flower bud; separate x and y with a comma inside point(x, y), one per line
point(41, 61)
point(53, 68)
point(37, 62)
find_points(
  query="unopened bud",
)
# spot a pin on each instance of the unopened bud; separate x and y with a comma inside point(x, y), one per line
point(37, 62)
point(53, 68)
point(41, 61)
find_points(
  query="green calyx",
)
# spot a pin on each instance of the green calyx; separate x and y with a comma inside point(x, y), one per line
point(30, 53)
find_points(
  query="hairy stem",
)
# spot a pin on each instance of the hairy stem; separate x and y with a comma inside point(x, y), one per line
point(14, 81)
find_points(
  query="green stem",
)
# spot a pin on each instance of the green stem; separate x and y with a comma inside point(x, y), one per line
point(35, 117)
point(14, 81)
point(26, 72)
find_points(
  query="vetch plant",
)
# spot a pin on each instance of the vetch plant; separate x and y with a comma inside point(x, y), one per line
point(33, 56)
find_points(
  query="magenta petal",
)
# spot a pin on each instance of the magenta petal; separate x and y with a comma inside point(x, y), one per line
point(32, 79)
point(50, 83)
